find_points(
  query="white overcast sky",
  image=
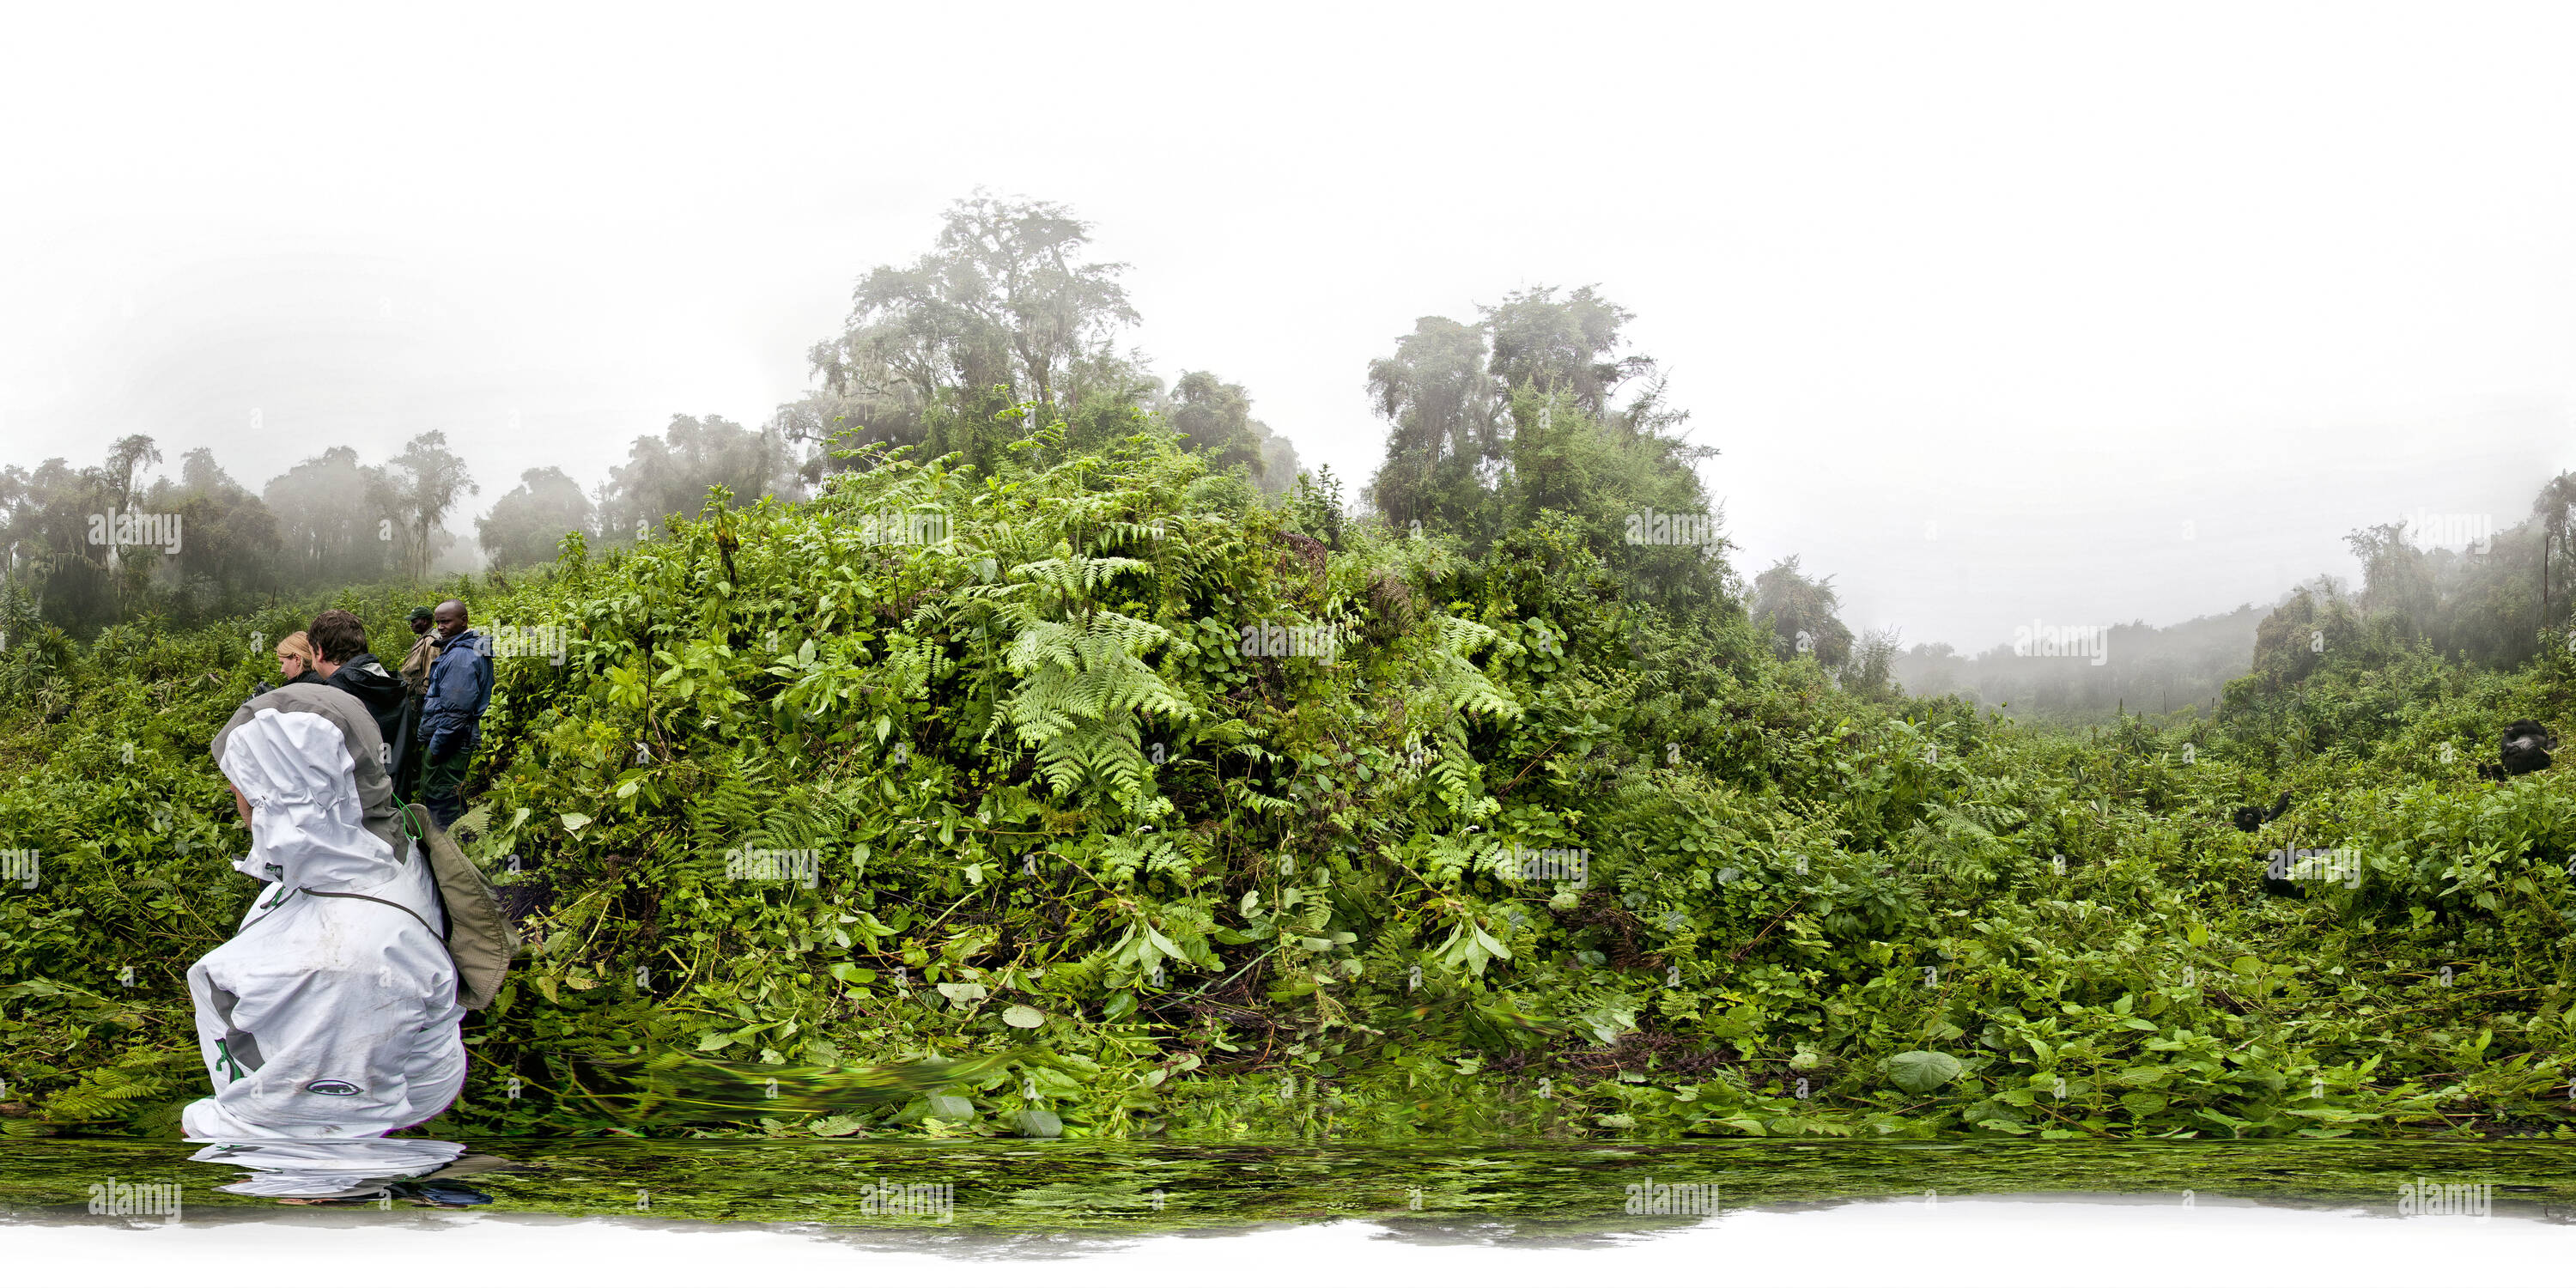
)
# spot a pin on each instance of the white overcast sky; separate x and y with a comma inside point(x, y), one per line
point(1982, 304)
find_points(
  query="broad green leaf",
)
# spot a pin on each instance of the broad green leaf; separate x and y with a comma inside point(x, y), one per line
point(1922, 1071)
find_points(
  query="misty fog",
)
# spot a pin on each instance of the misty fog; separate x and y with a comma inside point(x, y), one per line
point(2108, 341)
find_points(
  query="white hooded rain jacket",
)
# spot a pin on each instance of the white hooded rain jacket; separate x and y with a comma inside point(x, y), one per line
point(326, 1015)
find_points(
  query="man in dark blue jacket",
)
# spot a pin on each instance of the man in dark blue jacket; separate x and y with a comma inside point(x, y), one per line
point(451, 717)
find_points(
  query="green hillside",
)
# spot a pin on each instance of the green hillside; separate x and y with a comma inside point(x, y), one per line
point(1205, 813)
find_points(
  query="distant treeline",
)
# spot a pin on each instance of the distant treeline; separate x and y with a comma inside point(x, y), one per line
point(1534, 419)
point(2497, 605)
point(89, 546)
point(2494, 604)
point(2144, 670)
point(1001, 329)
point(1533, 425)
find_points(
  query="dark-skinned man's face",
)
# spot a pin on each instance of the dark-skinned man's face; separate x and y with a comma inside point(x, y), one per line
point(450, 620)
point(420, 626)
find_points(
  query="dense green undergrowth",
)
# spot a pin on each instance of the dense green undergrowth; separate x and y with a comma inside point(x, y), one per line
point(1495, 846)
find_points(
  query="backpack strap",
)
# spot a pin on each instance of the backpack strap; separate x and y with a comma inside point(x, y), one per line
point(416, 820)
point(336, 894)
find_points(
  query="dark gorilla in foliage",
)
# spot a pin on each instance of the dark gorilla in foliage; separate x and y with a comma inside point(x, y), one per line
point(2252, 817)
point(2276, 877)
point(2526, 746)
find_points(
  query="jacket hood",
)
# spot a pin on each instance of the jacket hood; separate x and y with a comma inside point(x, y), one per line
point(307, 822)
point(366, 679)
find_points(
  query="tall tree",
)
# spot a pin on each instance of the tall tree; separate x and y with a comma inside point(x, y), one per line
point(425, 481)
point(2396, 578)
point(2293, 638)
point(1217, 418)
point(48, 542)
point(231, 546)
point(1803, 612)
point(1442, 411)
point(670, 473)
point(1570, 347)
point(122, 474)
point(1570, 446)
point(334, 524)
point(1007, 302)
point(1016, 266)
point(120, 484)
point(530, 520)
point(2555, 509)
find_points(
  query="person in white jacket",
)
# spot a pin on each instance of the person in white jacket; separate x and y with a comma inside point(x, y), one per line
point(333, 1012)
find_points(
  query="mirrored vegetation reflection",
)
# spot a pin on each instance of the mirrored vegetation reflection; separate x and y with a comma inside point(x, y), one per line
point(1034, 1198)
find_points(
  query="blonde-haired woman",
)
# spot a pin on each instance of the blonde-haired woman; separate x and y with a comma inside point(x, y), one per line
point(295, 659)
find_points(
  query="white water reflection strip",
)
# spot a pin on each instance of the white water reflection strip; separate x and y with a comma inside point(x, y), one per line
point(1953, 1242)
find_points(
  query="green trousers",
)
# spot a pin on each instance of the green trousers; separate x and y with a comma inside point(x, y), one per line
point(442, 786)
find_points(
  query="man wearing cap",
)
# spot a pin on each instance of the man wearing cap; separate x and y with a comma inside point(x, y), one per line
point(424, 651)
point(415, 677)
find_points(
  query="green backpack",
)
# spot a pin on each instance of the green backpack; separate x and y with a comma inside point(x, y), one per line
point(480, 937)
